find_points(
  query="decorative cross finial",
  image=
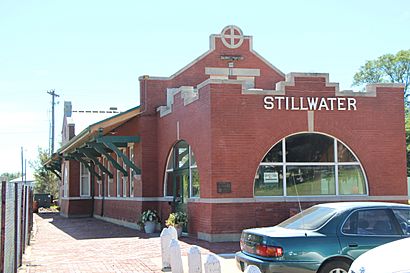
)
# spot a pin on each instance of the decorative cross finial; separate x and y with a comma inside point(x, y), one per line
point(232, 36)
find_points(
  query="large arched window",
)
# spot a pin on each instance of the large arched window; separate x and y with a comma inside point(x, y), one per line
point(309, 164)
point(182, 177)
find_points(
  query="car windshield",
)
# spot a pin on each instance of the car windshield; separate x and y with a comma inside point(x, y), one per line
point(309, 219)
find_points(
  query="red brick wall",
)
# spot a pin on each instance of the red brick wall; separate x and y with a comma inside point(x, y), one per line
point(75, 208)
point(74, 178)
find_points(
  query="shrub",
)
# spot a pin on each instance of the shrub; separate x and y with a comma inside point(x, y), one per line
point(149, 215)
point(177, 219)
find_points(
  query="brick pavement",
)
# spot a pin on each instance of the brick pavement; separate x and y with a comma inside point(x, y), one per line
point(88, 245)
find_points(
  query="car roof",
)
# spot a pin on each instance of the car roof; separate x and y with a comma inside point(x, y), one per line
point(341, 206)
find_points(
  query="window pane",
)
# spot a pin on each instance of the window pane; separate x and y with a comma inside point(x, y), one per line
point(275, 154)
point(85, 189)
point(132, 187)
point(403, 215)
point(343, 154)
point(195, 182)
point(269, 181)
point(193, 159)
point(370, 222)
point(351, 180)
point(170, 165)
point(309, 148)
point(170, 178)
point(110, 187)
point(310, 180)
point(84, 170)
point(181, 155)
point(311, 218)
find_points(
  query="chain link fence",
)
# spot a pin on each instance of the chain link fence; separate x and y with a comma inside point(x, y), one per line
point(16, 222)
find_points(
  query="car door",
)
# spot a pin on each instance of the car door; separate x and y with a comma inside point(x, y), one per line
point(367, 228)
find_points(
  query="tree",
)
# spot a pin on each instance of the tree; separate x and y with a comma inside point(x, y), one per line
point(394, 69)
point(45, 180)
point(386, 68)
point(407, 125)
point(10, 176)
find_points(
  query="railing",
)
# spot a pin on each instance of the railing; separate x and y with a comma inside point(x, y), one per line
point(16, 222)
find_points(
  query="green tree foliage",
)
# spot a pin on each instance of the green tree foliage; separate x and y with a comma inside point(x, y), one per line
point(45, 180)
point(390, 68)
point(387, 68)
point(408, 141)
point(10, 176)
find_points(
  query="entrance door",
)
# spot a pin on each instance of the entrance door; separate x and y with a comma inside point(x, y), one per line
point(181, 190)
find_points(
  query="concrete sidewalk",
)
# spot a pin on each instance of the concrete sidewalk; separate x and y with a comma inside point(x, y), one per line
point(88, 245)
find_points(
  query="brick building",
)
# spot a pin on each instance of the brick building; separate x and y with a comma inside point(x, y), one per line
point(236, 143)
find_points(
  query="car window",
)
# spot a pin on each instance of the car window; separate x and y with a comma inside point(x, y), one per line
point(403, 216)
point(310, 219)
point(370, 222)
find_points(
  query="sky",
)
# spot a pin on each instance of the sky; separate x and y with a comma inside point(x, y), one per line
point(92, 52)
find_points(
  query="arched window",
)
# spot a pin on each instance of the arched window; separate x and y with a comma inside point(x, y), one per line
point(182, 177)
point(309, 164)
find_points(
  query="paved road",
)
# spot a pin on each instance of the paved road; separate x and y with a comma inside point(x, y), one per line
point(88, 245)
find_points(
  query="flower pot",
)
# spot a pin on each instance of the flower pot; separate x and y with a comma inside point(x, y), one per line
point(149, 227)
point(179, 230)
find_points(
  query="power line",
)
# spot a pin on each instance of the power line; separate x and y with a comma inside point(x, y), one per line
point(53, 96)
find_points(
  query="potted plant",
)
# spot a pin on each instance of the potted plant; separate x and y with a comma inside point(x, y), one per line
point(177, 220)
point(149, 218)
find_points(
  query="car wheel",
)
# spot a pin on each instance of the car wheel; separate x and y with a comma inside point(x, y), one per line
point(335, 267)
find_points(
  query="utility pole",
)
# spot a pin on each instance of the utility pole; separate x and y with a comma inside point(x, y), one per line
point(53, 96)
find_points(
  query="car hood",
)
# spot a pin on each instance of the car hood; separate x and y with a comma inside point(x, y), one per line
point(280, 232)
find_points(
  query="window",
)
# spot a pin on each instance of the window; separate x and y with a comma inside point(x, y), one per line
point(99, 187)
point(309, 164)
point(132, 172)
point(370, 222)
point(84, 181)
point(311, 218)
point(194, 175)
point(124, 181)
point(119, 179)
point(110, 186)
point(65, 180)
point(182, 163)
point(110, 180)
point(403, 216)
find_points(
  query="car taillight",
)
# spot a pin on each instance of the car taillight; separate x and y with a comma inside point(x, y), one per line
point(269, 251)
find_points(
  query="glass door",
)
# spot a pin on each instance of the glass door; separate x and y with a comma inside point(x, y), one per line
point(181, 190)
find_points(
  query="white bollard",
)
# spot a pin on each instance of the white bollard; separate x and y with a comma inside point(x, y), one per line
point(212, 264)
point(165, 242)
point(252, 269)
point(194, 260)
point(174, 233)
point(175, 257)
